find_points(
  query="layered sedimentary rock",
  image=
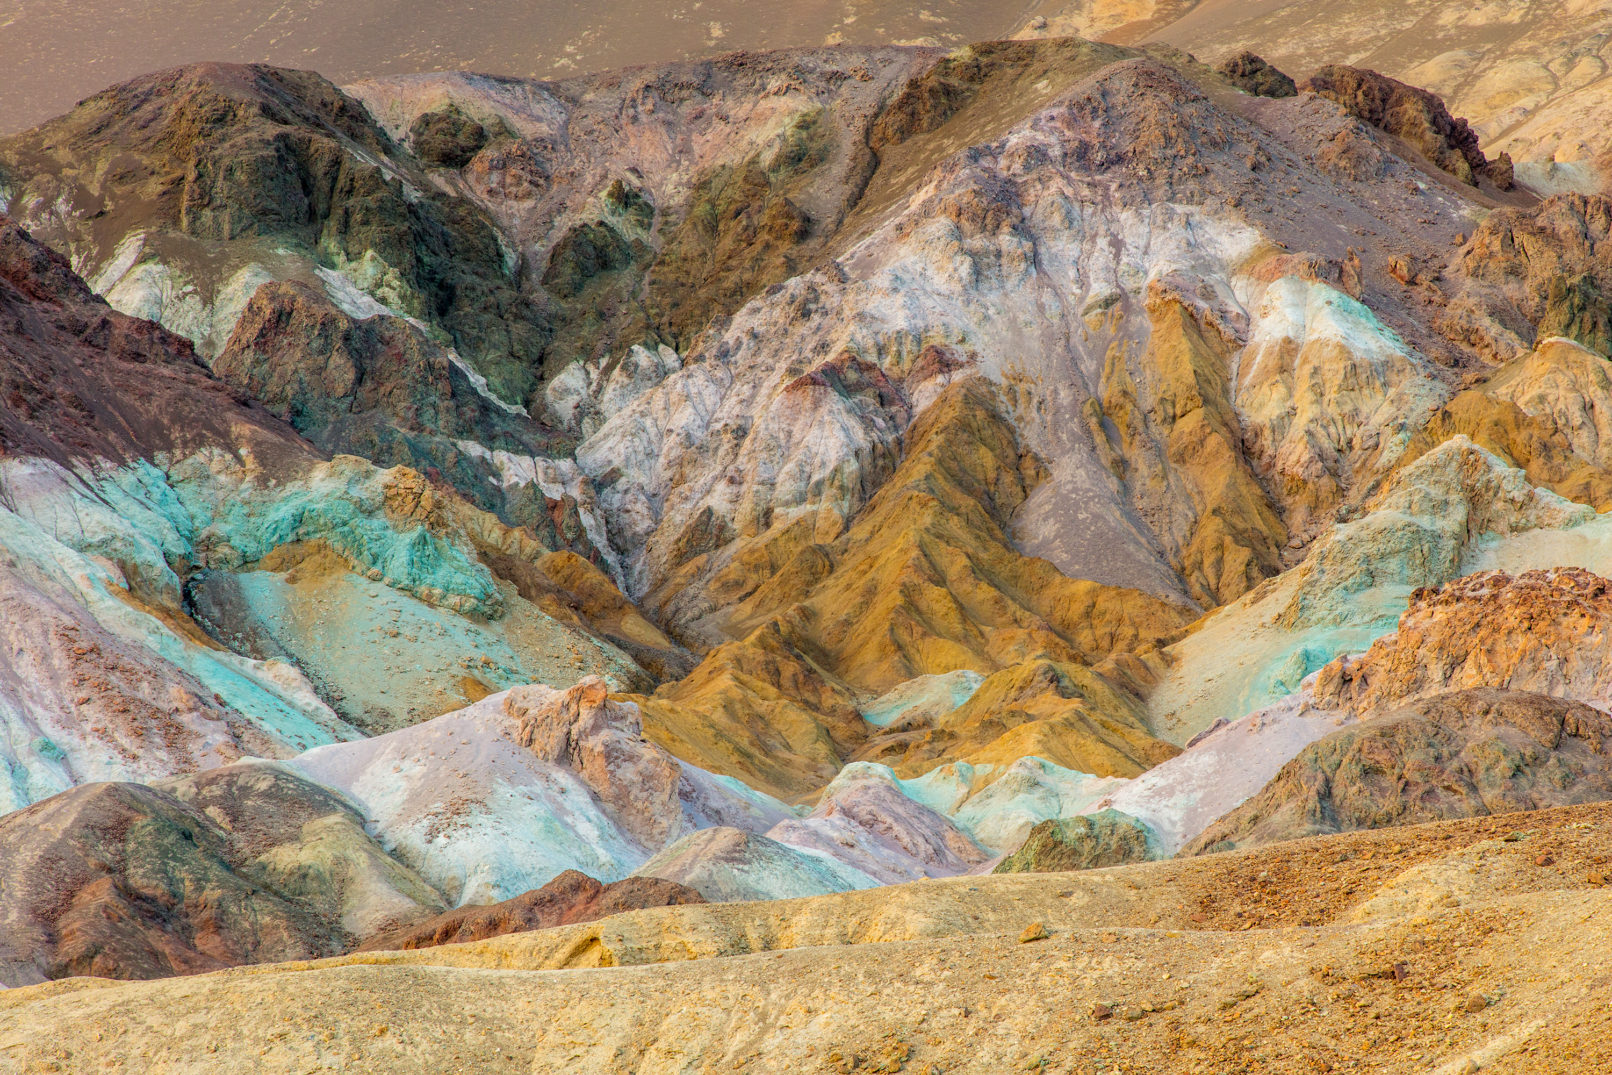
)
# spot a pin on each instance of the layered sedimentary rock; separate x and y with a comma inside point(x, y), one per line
point(926, 581)
point(379, 387)
point(1453, 937)
point(500, 797)
point(1467, 753)
point(1543, 412)
point(189, 581)
point(218, 153)
point(884, 421)
point(1438, 518)
point(865, 821)
point(726, 865)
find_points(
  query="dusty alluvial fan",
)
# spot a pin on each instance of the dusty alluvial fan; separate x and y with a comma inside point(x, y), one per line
point(1054, 554)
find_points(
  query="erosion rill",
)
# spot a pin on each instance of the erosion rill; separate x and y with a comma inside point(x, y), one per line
point(872, 553)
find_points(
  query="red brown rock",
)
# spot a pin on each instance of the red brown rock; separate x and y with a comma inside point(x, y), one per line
point(235, 866)
point(79, 381)
point(570, 898)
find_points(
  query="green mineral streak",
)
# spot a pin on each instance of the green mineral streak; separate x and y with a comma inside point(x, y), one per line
point(233, 524)
point(47, 749)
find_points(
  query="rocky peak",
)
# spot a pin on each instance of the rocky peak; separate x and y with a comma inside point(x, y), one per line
point(1253, 74)
point(1415, 115)
point(558, 726)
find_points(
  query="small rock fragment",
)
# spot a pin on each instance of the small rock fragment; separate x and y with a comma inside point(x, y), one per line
point(1035, 931)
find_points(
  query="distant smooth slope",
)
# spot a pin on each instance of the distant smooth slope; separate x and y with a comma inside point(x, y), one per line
point(55, 53)
point(1529, 74)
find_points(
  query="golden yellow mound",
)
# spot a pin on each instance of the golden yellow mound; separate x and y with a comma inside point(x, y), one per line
point(924, 581)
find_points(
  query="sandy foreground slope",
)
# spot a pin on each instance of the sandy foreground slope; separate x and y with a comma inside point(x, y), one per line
point(1455, 947)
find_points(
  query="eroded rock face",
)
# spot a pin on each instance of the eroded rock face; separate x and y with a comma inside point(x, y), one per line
point(934, 537)
point(500, 797)
point(135, 863)
point(1414, 114)
point(870, 825)
point(984, 373)
point(1545, 269)
point(219, 153)
point(1528, 936)
point(1432, 522)
point(570, 898)
point(602, 741)
point(1467, 753)
point(1106, 838)
point(1543, 631)
point(379, 388)
point(1064, 713)
point(1547, 412)
point(80, 381)
point(189, 581)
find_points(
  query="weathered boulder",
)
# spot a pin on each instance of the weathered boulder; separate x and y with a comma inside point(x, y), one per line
point(1253, 74)
point(446, 138)
point(1106, 838)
